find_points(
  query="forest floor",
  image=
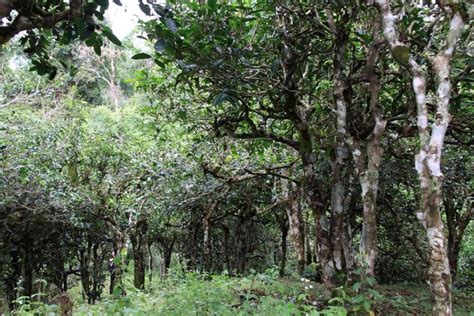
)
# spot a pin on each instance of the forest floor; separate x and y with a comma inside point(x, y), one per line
point(260, 294)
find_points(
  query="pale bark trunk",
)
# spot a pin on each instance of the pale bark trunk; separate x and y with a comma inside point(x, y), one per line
point(338, 191)
point(428, 160)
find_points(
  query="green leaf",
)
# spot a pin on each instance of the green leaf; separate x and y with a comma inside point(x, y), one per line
point(171, 25)
point(367, 306)
point(102, 3)
point(141, 56)
point(356, 286)
point(145, 8)
point(111, 36)
point(160, 45)
point(97, 49)
point(53, 73)
point(212, 4)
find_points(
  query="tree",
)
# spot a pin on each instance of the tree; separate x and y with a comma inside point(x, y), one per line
point(41, 22)
point(428, 160)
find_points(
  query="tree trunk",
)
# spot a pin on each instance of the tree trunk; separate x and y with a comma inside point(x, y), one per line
point(284, 226)
point(84, 259)
point(428, 166)
point(347, 244)
point(457, 225)
point(241, 245)
point(12, 280)
point(316, 201)
point(167, 252)
point(27, 267)
point(206, 224)
point(150, 261)
point(339, 172)
point(226, 231)
point(139, 248)
point(428, 160)
point(369, 178)
point(309, 252)
point(296, 223)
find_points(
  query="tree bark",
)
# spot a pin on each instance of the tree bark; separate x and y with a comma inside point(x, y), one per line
point(339, 172)
point(150, 261)
point(295, 220)
point(369, 175)
point(226, 232)
point(27, 268)
point(138, 240)
point(428, 159)
point(166, 251)
point(206, 225)
point(284, 226)
point(316, 201)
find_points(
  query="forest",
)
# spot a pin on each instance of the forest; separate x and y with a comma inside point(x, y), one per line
point(237, 157)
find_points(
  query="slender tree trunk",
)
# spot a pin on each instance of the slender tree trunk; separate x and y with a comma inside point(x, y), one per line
point(428, 166)
point(150, 261)
point(206, 225)
point(12, 280)
point(369, 175)
point(27, 267)
point(316, 201)
point(339, 172)
point(347, 244)
point(428, 160)
point(308, 251)
point(167, 252)
point(84, 260)
point(226, 231)
point(284, 226)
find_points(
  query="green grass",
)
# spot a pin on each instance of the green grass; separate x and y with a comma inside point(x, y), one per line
point(258, 294)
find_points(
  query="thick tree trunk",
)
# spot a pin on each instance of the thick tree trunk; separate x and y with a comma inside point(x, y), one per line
point(241, 245)
point(139, 248)
point(296, 223)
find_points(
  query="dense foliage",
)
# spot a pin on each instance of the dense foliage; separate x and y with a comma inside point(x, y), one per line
point(261, 157)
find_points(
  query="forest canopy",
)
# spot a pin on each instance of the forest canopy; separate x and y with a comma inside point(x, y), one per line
point(253, 157)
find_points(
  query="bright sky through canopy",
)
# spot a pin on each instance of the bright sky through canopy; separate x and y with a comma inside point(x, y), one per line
point(124, 18)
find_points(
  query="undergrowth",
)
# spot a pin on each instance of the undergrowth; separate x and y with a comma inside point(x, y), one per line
point(257, 294)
